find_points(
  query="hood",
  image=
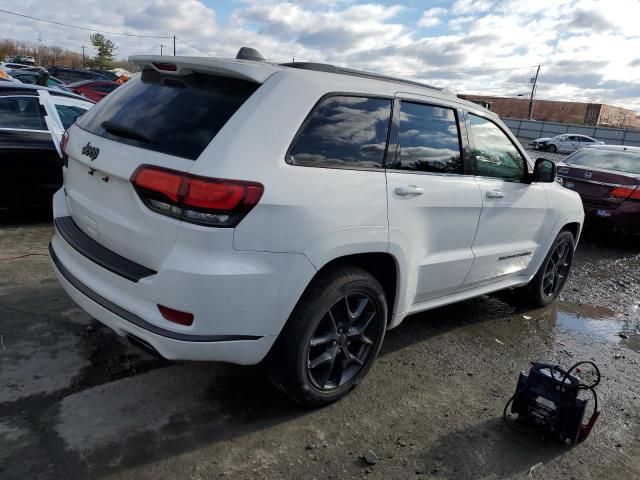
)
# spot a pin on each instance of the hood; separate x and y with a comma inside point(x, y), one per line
point(542, 139)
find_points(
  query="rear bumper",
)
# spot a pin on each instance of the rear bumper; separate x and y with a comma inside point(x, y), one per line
point(618, 219)
point(240, 300)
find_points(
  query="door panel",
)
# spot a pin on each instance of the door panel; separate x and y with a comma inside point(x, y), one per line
point(437, 228)
point(513, 211)
point(508, 231)
point(32, 170)
point(433, 208)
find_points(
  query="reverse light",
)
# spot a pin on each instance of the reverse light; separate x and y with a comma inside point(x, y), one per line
point(204, 201)
point(176, 316)
point(624, 192)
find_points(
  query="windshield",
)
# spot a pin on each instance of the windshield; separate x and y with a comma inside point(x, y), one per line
point(617, 160)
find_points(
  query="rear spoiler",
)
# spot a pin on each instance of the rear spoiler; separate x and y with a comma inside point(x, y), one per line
point(248, 70)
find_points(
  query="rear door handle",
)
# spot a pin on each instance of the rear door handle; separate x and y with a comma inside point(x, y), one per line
point(409, 191)
point(495, 194)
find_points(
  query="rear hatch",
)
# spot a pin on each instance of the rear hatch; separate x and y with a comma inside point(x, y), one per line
point(164, 118)
point(604, 178)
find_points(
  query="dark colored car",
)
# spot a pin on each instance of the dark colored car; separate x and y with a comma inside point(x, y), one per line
point(607, 177)
point(73, 75)
point(95, 90)
point(38, 77)
point(110, 75)
point(29, 157)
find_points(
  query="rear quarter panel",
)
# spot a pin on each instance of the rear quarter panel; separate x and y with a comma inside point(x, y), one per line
point(321, 212)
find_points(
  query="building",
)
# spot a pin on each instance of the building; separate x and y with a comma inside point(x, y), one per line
point(580, 113)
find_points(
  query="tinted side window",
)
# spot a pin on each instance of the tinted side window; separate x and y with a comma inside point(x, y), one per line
point(493, 153)
point(69, 114)
point(20, 112)
point(429, 140)
point(344, 132)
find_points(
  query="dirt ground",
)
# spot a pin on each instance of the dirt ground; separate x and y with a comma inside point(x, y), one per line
point(76, 401)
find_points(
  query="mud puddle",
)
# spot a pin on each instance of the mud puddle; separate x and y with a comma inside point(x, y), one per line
point(599, 323)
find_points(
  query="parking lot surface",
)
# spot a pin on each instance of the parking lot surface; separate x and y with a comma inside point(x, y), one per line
point(76, 401)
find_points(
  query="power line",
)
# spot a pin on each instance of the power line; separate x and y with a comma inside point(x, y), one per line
point(432, 72)
point(193, 46)
point(108, 32)
point(83, 28)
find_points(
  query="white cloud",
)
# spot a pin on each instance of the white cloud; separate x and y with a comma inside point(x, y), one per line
point(586, 47)
point(431, 17)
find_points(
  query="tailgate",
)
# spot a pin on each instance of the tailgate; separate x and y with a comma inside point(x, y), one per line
point(104, 204)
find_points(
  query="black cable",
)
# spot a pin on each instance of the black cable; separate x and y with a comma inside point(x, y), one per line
point(193, 46)
point(583, 386)
point(82, 28)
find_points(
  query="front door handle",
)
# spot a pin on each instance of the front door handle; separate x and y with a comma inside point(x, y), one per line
point(495, 194)
point(409, 191)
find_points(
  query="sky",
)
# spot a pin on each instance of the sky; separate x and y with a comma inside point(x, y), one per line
point(589, 50)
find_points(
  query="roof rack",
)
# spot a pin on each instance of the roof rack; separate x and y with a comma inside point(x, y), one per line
point(325, 67)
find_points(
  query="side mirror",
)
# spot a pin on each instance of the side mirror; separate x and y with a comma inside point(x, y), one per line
point(544, 171)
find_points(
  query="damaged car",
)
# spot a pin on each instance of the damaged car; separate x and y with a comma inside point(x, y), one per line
point(564, 143)
point(32, 121)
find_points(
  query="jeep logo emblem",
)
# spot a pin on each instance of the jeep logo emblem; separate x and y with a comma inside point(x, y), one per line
point(91, 152)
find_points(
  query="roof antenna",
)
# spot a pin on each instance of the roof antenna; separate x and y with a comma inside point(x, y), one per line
point(248, 53)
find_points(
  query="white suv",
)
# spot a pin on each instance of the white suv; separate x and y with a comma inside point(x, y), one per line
point(239, 210)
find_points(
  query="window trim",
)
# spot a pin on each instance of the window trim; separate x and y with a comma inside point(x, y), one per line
point(463, 147)
point(307, 119)
point(527, 166)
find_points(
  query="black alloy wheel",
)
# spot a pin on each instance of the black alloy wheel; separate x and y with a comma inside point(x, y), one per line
point(342, 341)
point(557, 269)
point(332, 337)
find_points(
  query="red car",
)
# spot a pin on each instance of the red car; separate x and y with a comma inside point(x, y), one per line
point(607, 178)
point(95, 90)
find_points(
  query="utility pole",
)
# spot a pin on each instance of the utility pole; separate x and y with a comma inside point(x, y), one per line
point(161, 47)
point(174, 45)
point(533, 93)
point(83, 61)
point(39, 55)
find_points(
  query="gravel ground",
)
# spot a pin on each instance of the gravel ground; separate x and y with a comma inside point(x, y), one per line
point(533, 153)
point(78, 402)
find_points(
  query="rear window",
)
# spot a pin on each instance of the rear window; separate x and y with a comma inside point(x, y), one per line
point(71, 76)
point(618, 160)
point(173, 115)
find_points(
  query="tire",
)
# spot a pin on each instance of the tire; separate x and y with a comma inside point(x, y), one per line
point(319, 374)
point(539, 292)
point(552, 148)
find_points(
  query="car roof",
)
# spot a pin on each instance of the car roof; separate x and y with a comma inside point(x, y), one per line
point(334, 78)
point(29, 89)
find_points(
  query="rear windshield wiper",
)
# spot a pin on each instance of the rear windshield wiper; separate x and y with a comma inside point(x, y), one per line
point(124, 131)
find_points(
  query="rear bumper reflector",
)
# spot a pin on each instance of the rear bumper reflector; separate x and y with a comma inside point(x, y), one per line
point(95, 252)
point(132, 317)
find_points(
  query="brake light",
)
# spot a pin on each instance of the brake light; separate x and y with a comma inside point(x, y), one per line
point(167, 67)
point(625, 193)
point(176, 316)
point(204, 201)
point(63, 148)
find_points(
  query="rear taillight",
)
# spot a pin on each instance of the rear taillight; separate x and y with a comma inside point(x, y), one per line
point(625, 193)
point(63, 148)
point(205, 201)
